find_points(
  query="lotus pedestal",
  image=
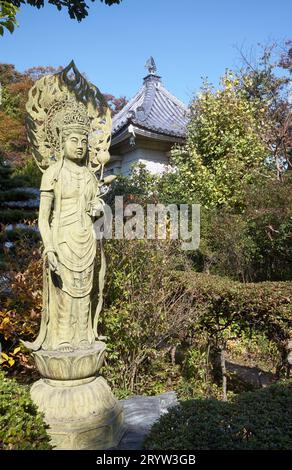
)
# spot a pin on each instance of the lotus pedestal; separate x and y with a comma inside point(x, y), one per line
point(79, 407)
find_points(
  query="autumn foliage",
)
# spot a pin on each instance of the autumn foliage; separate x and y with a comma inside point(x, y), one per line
point(15, 88)
point(20, 309)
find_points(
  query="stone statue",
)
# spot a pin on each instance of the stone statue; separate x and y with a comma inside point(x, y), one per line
point(69, 129)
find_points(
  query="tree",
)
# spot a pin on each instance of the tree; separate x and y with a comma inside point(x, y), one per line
point(35, 73)
point(12, 134)
point(8, 12)
point(115, 104)
point(286, 64)
point(15, 88)
point(233, 164)
point(77, 9)
point(261, 83)
point(286, 56)
point(224, 148)
point(8, 74)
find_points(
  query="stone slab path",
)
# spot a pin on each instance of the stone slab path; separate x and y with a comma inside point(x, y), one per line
point(140, 414)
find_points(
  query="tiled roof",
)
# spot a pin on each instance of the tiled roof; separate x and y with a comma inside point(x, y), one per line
point(153, 108)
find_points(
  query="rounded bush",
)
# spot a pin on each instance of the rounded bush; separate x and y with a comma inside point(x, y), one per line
point(254, 420)
point(21, 425)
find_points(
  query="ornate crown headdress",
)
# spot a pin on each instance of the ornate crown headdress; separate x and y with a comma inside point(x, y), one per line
point(62, 102)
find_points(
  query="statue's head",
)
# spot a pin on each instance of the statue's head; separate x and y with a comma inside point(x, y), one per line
point(75, 144)
point(74, 134)
point(64, 111)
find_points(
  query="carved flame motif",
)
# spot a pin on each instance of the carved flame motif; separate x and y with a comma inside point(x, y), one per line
point(60, 100)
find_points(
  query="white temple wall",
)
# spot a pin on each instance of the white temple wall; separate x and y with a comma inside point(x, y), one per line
point(154, 160)
point(113, 166)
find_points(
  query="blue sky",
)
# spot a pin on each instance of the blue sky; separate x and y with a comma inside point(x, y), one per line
point(189, 39)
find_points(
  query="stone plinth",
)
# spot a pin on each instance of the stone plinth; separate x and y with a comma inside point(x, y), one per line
point(81, 411)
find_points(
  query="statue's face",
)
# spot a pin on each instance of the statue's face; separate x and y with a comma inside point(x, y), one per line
point(75, 146)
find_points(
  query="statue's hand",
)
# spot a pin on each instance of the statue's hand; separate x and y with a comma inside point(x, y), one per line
point(53, 262)
point(96, 207)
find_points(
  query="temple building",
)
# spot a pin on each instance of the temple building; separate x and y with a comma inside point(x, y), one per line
point(146, 129)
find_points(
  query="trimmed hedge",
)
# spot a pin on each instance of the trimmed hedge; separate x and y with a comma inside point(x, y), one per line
point(164, 322)
point(254, 420)
point(7, 182)
point(10, 216)
point(21, 425)
point(13, 195)
point(19, 234)
point(154, 305)
point(218, 302)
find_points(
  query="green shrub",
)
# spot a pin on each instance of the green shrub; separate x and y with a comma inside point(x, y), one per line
point(21, 425)
point(13, 195)
point(15, 181)
point(254, 420)
point(163, 321)
point(30, 173)
point(139, 326)
point(264, 306)
point(10, 216)
point(5, 171)
point(20, 234)
point(253, 244)
point(20, 310)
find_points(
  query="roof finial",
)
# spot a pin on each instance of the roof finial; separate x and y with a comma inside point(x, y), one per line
point(151, 66)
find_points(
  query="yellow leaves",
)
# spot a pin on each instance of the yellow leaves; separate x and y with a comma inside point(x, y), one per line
point(5, 321)
point(224, 144)
point(9, 359)
point(6, 360)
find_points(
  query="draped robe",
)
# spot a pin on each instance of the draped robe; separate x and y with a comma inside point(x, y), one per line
point(68, 317)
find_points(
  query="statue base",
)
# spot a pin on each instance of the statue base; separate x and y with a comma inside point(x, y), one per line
point(81, 414)
point(78, 405)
